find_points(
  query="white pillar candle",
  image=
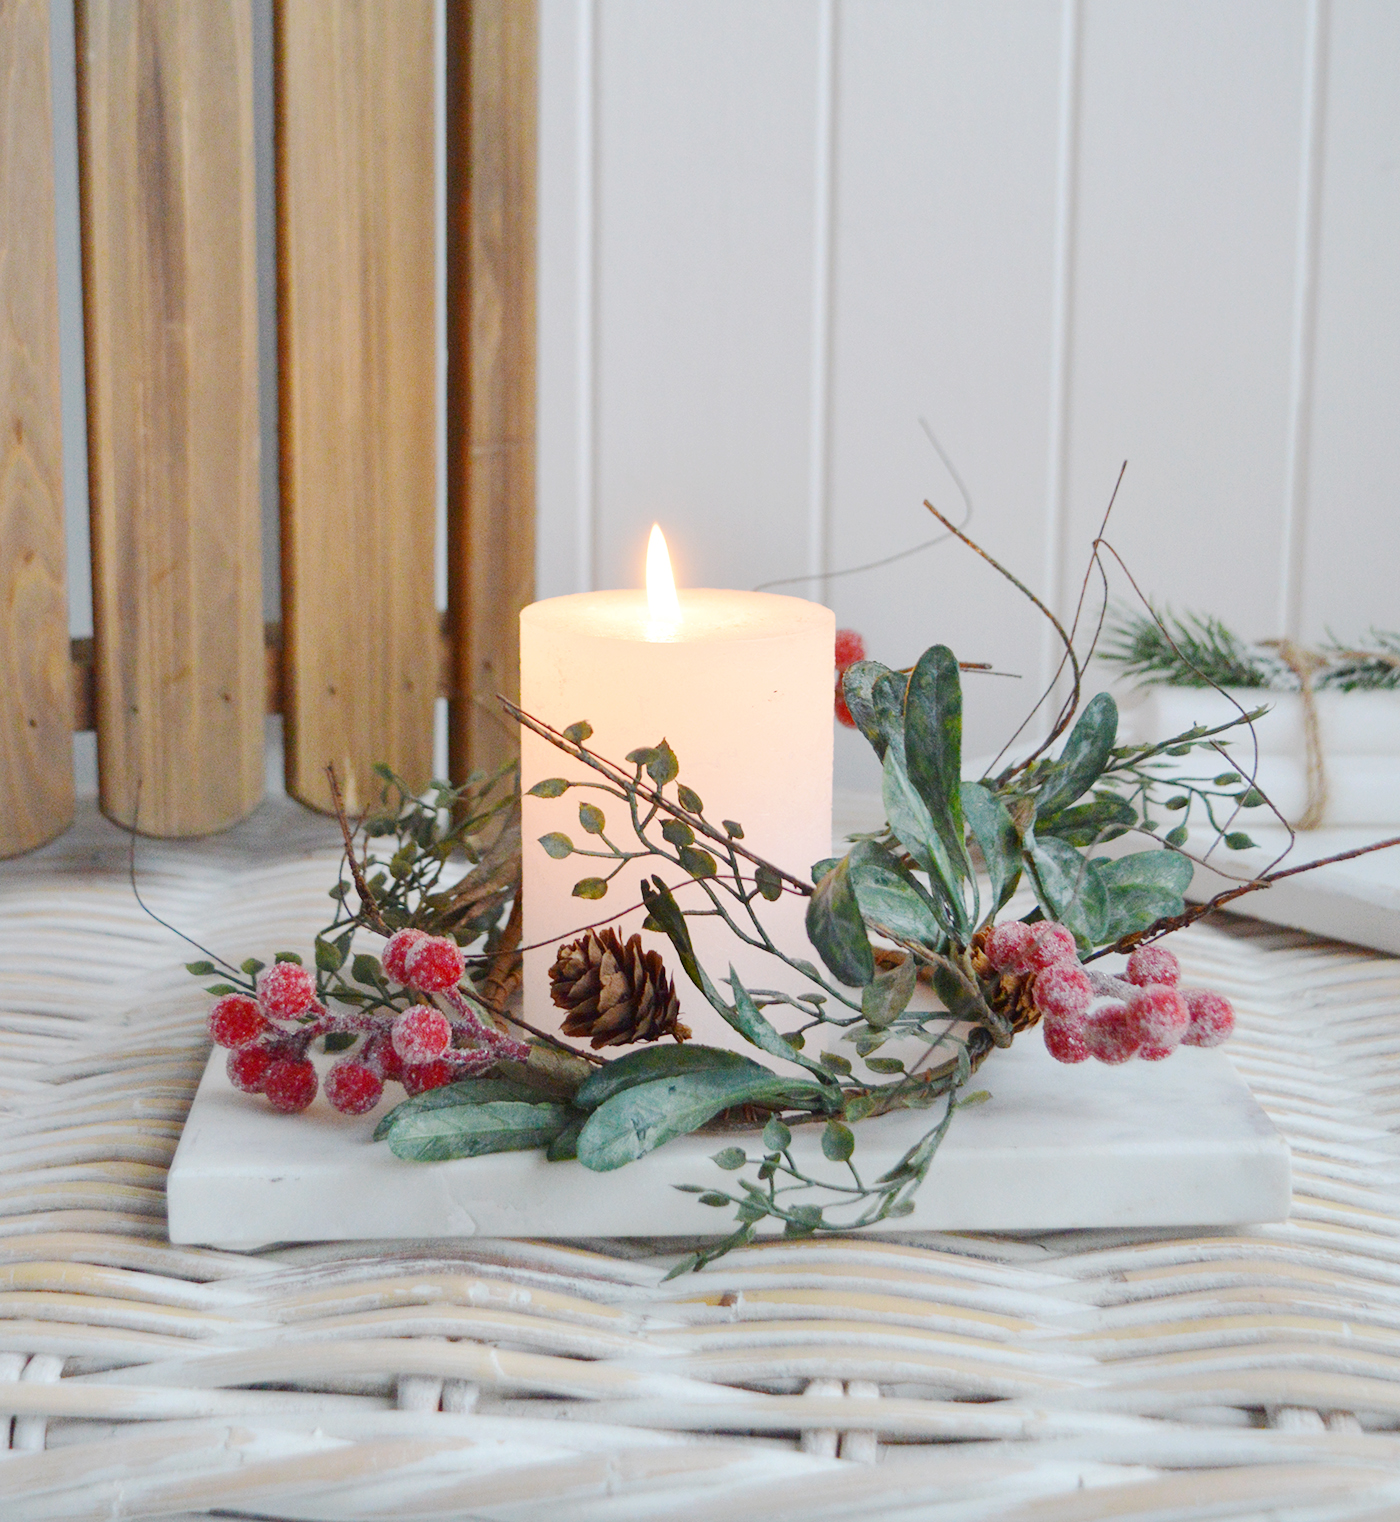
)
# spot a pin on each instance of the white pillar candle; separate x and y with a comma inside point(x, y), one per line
point(740, 686)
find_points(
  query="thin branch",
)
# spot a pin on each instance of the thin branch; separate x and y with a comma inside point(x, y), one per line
point(368, 907)
point(619, 778)
point(1169, 923)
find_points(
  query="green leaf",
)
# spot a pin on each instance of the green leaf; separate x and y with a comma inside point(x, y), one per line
point(746, 1018)
point(642, 755)
point(287, 956)
point(1068, 888)
point(730, 1158)
point(933, 748)
point(564, 1147)
point(678, 832)
point(1086, 753)
point(221, 989)
point(640, 1119)
point(1177, 837)
point(887, 996)
point(819, 869)
point(1088, 824)
point(1251, 798)
point(889, 895)
point(977, 1097)
point(884, 1064)
point(913, 825)
point(199, 969)
point(661, 906)
point(732, 828)
point(330, 956)
point(770, 885)
point(712, 1197)
point(590, 887)
point(835, 1063)
point(366, 969)
point(835, 928)
point(1238, 840)
point(663, 766)
point(338, 1041)
point(874, 715)
point(551, 787)
point(698, 862)
point(777, 1137)
point(579, 732)
point(252, 966)
point(557, 845)
point(689, 799)
point(656, 1062)
point(997, 839)
point(591, 819)
point(1227, 779)
point(473, 1130)
point(451, 1096)
point(838, 1142)
point(1143, 888)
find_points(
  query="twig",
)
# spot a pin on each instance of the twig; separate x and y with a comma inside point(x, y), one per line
point(1168, 923)
point(503, 976)
point(618, 778)
point(368, 907)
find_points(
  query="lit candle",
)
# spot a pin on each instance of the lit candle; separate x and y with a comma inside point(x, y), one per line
point(739, 684)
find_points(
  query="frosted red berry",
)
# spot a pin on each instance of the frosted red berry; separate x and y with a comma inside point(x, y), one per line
point(247, 1068)
point(1063, 992)
point(1159, 1015)
point(353, 1088)
point(236, 1020)
point(285, 990)
point(394, 958)
point(379, 1055)
point(1110, 1034)
point(1153, 964)
point(419, 1077)
point(1155, 1053)
point(1009, 946)
point(1053, 943)
point(434, 964)
point(850, 648)
point(290, 1084)
point(1065, 1040)
point(421, 1034)
point(1212, 1017)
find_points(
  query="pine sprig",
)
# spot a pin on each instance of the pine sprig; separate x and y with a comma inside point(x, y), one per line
point(1190, 650)
point(1364, 670)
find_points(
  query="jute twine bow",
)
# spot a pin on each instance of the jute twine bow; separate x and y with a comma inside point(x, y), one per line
point(1305, 664)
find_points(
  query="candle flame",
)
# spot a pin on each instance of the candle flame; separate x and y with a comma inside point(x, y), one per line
point(663, 606)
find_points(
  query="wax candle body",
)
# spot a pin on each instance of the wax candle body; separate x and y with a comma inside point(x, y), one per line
point(741, 689)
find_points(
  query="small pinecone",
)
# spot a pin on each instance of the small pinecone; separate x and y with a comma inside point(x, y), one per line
point(1009, 993)
point(614, 994)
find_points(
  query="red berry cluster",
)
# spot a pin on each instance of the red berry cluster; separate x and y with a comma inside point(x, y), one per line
point(420, 1047)
point(1086, 1013)
point(850, 648)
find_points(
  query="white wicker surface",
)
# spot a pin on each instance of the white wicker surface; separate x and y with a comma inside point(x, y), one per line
point(1228, 1374)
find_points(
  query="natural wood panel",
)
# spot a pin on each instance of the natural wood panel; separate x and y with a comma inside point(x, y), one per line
point(355, 221)
point(170, 297)
point(36, 756)
point(491, 129)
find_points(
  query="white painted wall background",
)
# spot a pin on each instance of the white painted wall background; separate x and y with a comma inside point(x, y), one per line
point(1066, 232)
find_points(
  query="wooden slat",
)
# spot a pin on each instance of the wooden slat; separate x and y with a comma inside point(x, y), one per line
point(36, 757)
point(355, 220)
point(491, 128)
point(170, 296)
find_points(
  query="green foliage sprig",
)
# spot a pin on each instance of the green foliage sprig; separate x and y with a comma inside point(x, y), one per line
point(1159, 647)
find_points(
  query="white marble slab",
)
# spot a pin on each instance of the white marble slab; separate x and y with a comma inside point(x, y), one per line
point(1174, 1144)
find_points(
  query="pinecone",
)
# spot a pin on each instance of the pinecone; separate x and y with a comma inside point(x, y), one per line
point(614, 994)
point(1009, 993)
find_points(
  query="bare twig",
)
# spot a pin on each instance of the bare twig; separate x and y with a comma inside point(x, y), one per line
point(368, 906)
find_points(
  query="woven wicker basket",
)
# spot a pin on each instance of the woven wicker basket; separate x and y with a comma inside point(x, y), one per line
point(1228, 1374)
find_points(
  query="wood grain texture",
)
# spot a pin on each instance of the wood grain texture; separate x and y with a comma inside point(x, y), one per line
point(491, 144)
point(170, 301)
point(36, 755)
point(355, 227)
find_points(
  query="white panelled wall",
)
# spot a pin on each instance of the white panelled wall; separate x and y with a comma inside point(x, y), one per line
point(1065, 232)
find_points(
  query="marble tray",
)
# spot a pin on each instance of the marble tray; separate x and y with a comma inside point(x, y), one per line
point(1175, 1144)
